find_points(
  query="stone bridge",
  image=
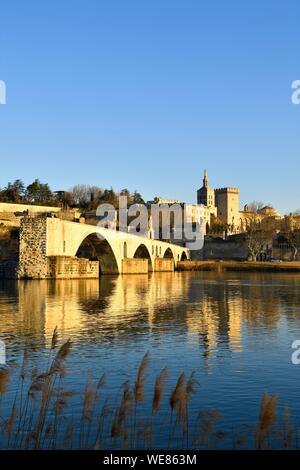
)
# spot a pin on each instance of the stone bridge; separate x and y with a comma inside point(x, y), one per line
point(56, 248)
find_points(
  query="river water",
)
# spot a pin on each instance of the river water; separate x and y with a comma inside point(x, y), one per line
point(234, 330)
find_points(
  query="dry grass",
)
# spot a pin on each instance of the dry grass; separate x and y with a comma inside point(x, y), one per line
point(41, 414)
point(267, 417)
point(4, 379)
point(159, 388)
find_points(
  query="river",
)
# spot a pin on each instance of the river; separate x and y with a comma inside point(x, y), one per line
point(234, 330)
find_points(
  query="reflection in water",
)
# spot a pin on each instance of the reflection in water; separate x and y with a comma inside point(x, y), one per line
point(212, 307)
point(234, 330)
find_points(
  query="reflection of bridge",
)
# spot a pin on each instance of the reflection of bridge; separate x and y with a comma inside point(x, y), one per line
point(51, 247)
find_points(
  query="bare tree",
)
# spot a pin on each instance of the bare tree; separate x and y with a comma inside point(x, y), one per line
point(256, 206)
point(256, 239)
point(292, 233)
point(84, 194)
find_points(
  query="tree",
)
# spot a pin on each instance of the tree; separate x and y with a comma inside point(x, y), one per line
point(110, 197)
point(218, 227)
point(256, 206)
point(14, 192)
point(45, 194)
point(39, 193)
point(256, 238)
point(292, 233)
point(137, 198)
point(86, 196)
point(64, 199)
point(125, 192)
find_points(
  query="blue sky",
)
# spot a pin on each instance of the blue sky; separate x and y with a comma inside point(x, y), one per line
point(146, 94)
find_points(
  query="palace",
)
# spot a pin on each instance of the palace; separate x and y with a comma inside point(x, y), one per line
point(223, 204)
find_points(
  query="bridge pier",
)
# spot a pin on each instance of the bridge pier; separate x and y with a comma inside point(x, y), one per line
point(164, 265)
point(135, 266)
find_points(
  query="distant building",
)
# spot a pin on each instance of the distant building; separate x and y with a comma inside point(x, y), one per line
point(227, 202)
point(159, 200)
point(223, 203)
point(206, 197)
point(193, 214)
point(206, 194)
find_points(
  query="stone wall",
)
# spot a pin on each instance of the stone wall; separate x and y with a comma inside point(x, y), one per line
point(9, 219)
point(70, 267)
point(234, 248)
point(285, 253)
point(135, 266)
point(163, 264)
point(32, 209)
point(9, 252)
point(33, 262)
point(255, 266)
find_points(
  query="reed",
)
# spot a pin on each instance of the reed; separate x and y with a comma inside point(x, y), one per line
point(4, 379)
point(139, 391)
point(41, 413)
point(159, 388)
point(287, 428)
point(267, 418)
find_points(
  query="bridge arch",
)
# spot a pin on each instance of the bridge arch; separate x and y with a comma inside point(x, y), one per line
point(143, 252)
point(183, 256)
point(169, 254)
point(98, 248)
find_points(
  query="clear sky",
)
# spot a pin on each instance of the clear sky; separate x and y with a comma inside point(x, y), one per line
point(145, 94)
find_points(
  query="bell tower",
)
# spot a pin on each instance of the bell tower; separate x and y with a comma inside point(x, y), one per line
point(206, 194)
point(205, 179)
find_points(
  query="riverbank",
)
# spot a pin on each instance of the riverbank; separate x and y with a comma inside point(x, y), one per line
point(238, 266)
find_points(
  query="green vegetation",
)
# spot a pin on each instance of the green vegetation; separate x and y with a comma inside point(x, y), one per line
point(84, 197)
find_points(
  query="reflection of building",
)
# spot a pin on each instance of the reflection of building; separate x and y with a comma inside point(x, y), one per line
point(235, 312)
point(218, 319)
point(209, 310)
